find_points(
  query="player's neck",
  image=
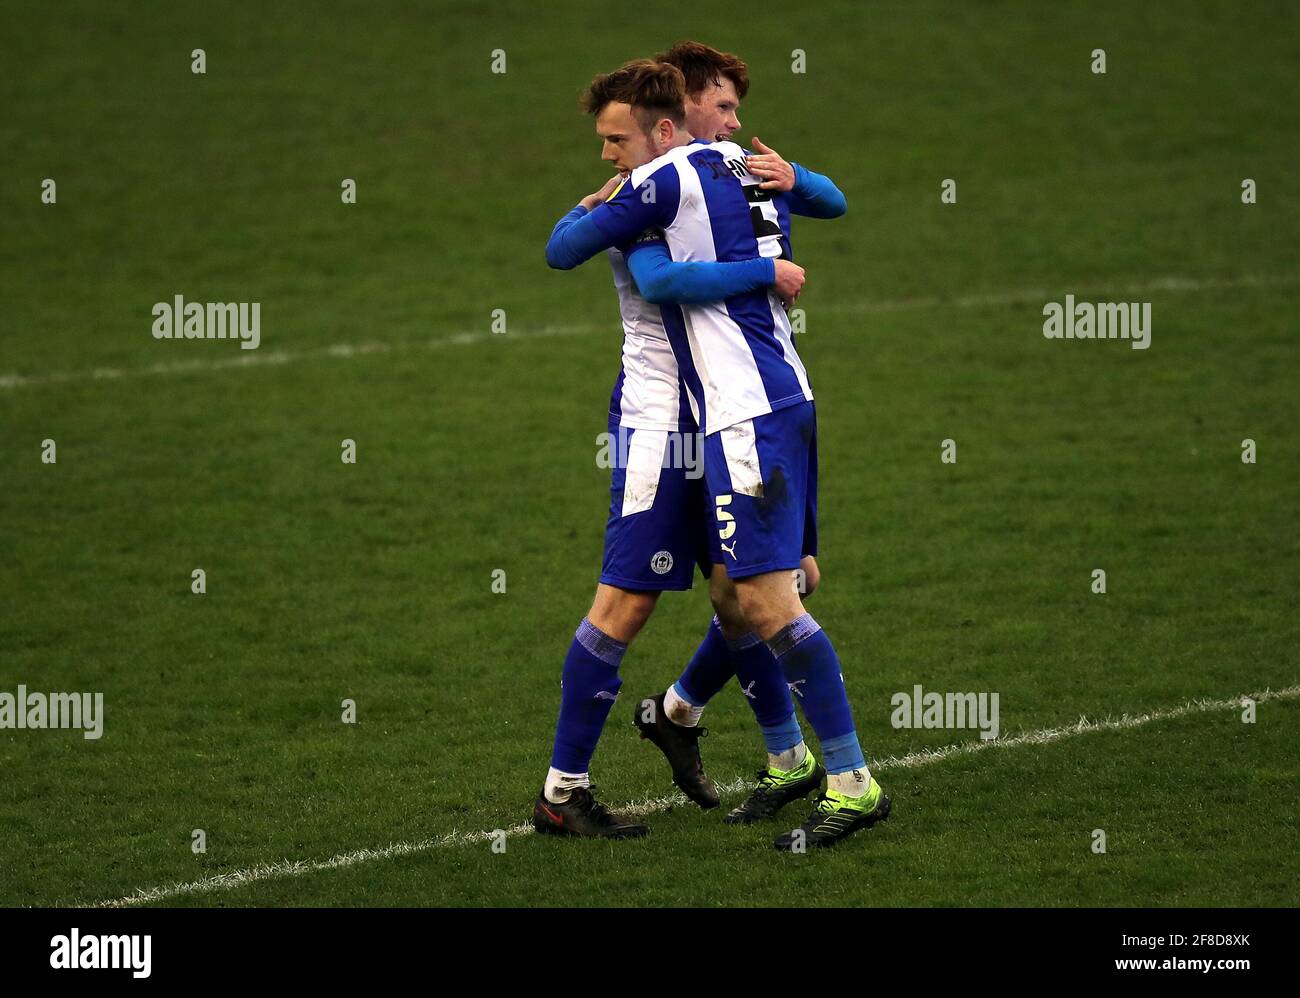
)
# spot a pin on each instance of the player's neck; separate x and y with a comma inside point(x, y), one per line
point(682, 138)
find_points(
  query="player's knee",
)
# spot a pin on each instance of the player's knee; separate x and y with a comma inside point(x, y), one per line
point(763, 613)
point(722, 597)
point(807, 577)
point(721, 588)
point(634, 610)
point(621, 613)
point(722, 594)
point(731, 620)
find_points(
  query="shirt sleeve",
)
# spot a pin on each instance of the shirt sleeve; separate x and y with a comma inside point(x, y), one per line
point(573, 241)
point(628, 213)
point(815, 195)
point(663, 281)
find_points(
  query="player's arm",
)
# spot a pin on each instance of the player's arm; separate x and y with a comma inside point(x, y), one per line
point(810, 194)
point(815, 195)
point(628, 212)
point(570, 243)
point(663, 281)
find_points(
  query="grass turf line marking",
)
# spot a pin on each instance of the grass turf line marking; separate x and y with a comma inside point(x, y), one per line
point(274, 357)
point(1043, 736)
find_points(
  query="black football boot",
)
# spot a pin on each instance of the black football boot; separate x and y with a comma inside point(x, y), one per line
point(584, 817)
point(680, 746)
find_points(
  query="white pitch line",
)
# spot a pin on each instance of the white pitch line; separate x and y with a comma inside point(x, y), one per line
point(995, 298)
point(263, 358)
point(298, 868)
point(1079, 727)
point(269, 358)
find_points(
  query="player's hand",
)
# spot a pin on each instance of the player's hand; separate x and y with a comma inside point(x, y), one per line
point(789, 281)
point(602, 195)
point(769, 167)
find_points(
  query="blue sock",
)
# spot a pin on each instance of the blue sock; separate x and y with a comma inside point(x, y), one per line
point(766, 692)
point(812, 669)
point(708, 670)
point(589, 688)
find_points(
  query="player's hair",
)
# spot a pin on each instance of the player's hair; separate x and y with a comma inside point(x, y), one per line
point(704, 66)
point(656, 90)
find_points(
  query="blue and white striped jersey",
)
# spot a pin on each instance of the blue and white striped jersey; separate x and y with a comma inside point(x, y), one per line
point(647, 394)
point(736, 357)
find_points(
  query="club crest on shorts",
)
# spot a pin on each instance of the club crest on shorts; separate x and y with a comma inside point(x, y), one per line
point(662, 563)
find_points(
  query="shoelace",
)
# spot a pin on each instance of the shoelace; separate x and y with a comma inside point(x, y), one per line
point(767, 786)
point(766, 781)
point(597, 811)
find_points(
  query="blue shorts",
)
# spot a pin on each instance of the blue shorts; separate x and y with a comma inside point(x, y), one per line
point(762, 481)
point(659, 513)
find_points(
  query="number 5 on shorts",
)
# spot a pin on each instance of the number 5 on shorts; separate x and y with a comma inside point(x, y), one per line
point(726, 519)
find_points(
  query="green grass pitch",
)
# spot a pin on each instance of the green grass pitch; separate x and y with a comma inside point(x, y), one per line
point(476, 451)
